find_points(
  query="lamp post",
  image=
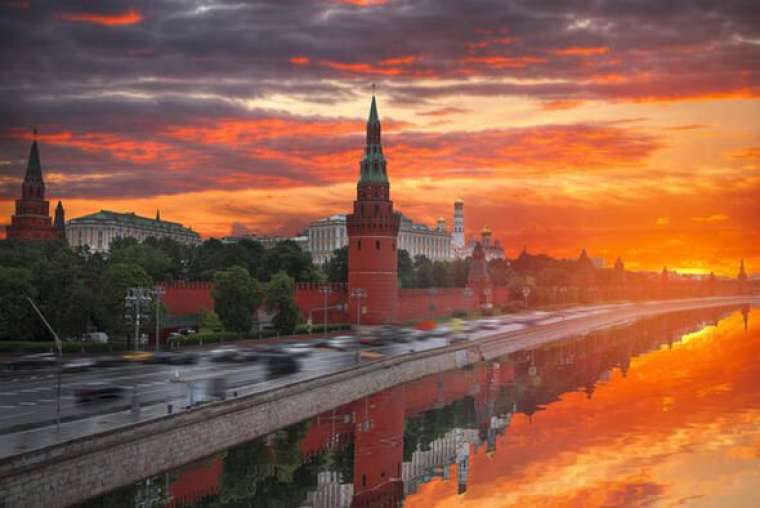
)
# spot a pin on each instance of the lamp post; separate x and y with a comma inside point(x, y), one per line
point(431, 301)
point(467, 295)
point(525, 293)
point(359, 294)
point(325, 290)
point(58, 346)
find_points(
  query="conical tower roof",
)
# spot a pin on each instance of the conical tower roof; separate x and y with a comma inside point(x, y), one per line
point(33, 167)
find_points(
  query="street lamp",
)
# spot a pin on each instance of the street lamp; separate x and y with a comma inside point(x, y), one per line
point(59, 346)
point(431, 304)
point(325, 290)
point(525, 293)
point(359, 294)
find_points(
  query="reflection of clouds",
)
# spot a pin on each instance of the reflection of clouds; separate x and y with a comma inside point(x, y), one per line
point(618, 449)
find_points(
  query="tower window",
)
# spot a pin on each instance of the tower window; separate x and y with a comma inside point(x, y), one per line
point(358, 245)
point(377, 244)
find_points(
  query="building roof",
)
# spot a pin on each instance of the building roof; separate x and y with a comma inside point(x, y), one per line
point(133, 220)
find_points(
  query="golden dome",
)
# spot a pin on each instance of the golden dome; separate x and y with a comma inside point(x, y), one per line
point(458, 201)
point(441, 219)
point(485, 231)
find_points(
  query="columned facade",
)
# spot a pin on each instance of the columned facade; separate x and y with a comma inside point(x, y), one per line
point(373, 236)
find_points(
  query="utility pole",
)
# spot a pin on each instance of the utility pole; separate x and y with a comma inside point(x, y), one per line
point(158, 291)
point(135, 300)
point(59, 346)
point(325, 290)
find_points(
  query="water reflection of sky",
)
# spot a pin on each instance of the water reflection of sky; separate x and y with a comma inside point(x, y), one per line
point(665, 412)
point(683, 428)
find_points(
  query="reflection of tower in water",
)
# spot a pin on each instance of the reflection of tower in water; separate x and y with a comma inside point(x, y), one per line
point(745, 316)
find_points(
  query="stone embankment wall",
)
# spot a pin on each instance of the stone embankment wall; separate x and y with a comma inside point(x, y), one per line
point(71, 472)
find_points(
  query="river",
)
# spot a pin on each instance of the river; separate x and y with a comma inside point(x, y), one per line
point(662, 412)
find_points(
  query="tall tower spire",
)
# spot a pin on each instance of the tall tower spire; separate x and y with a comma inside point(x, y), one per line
point(32, 218)
point(373, 165)
point(373, 232)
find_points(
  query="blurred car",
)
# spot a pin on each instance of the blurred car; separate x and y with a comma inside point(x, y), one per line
point(80, 364)
point(98, 390)
point(374, 341)
point(341, 342)
point(458, 337)
point(224, 354)
point(296, 349)
point(278, 365)
point(173, 358)
point(35, 361)
point(110, 360)
point(137, 356)
point(441, 332)
point(490, 324)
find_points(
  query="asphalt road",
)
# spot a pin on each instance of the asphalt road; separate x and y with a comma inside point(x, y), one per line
point(28, 401)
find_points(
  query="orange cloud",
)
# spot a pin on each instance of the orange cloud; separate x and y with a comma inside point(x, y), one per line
point(560, 104)
point(505, 62)
point(128, 17)
point(299, 60)
point(582, 51)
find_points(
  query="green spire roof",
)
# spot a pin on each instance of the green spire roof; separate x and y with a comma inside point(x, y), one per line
point(373, 162)
point(373, 116)
point(34, 168)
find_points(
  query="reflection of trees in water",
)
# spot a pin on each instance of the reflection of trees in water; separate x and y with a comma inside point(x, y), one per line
point(421, 430)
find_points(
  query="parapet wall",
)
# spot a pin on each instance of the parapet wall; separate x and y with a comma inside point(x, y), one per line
point(416, 304)
point(187, 298)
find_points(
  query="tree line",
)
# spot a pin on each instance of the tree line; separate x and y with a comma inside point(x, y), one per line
point(80, 291)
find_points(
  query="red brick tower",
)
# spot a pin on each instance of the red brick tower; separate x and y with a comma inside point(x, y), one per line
point(32, 218)
point(372, 233)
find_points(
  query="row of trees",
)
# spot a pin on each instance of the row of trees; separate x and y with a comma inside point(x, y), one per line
point(81, 291)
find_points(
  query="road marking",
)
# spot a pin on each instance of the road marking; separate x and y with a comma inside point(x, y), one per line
point(8, 393)
point(45, 401)
point(27, 403)
point(7, 407)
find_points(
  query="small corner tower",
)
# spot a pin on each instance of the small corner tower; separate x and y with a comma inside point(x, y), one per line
point(59, 224)
point(373, 233)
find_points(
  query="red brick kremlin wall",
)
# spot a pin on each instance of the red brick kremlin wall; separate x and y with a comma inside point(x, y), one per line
point(190, 298)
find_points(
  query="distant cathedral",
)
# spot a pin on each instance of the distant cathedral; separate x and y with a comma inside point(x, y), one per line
point(32, 218)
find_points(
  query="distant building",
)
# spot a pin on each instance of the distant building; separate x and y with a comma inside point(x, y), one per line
point(457, 232)
point(269, 241)
point(98, 230)
point(492, 249)
point(32, 218)
point(327, 234)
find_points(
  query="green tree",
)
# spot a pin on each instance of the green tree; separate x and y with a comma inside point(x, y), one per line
point(287, 256)
point(405, 268)
point(440, 274)
point(17, 318)
point(336, 268)
point(280, 300)
point(209, 322)
point(423, 269)
point(236, 296)
point(152, 259)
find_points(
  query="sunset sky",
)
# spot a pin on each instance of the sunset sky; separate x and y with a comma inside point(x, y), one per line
point(628, 128)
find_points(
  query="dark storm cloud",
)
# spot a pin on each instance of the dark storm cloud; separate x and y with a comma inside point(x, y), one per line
point(120, 75)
